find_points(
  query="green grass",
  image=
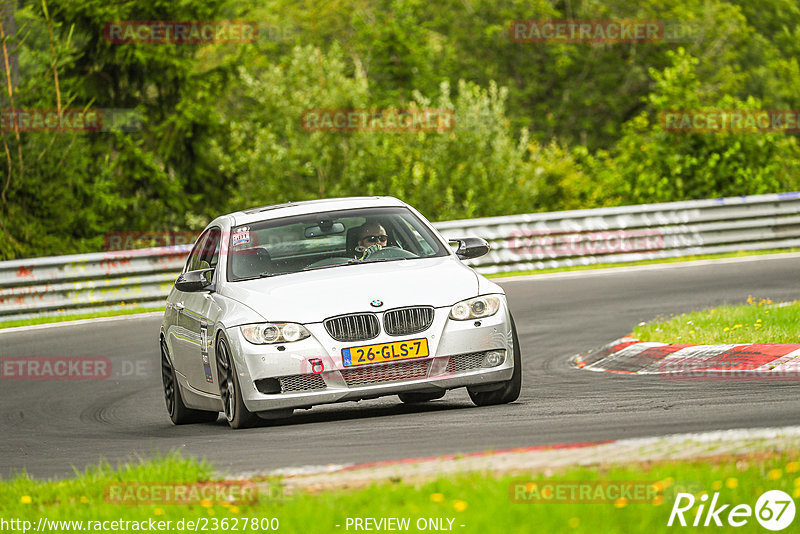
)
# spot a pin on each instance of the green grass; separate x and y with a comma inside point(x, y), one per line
point(758, 321)
point(76, 316)
point(739, 254)
point(481, 502)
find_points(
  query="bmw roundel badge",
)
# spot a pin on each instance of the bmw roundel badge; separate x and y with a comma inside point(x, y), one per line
point(376, 303)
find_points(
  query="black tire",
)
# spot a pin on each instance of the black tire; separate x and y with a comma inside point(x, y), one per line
point(417, 398)
point(235, 411)
point(177, 410)
point(509, 391)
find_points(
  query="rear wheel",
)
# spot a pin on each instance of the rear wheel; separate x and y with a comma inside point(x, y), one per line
point(236, 412)
point(417, 398)
point(178, 412)
point(508, 391)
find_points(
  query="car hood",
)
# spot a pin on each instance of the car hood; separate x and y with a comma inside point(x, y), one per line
point(312, 296)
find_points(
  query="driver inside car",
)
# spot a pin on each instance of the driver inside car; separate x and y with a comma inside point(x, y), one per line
point(372, 237)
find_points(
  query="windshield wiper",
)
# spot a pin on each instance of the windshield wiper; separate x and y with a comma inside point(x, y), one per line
point(315, 267)
point(376, 260)
point(268, 274)
point(349, 262)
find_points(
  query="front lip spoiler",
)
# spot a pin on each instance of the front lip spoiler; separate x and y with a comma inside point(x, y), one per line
point(256, 401)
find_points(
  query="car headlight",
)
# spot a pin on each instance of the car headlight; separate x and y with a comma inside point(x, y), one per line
point(266, 333)
point(475, 308)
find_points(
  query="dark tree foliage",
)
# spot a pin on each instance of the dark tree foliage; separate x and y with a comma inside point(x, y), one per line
point(538, 126)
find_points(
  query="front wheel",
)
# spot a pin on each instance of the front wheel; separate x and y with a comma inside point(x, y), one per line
point(509, 390)
point(178, 412)
point(236, 412)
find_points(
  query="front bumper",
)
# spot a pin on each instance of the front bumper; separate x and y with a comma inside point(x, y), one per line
point(274, 379)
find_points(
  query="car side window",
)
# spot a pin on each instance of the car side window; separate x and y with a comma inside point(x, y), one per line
point(194, 257)
point(209, 255)
point(415, 242)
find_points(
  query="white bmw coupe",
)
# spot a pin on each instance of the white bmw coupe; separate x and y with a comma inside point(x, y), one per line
point(289, 306)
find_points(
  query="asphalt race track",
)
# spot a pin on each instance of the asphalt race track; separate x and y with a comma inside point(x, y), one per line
point(47, 427)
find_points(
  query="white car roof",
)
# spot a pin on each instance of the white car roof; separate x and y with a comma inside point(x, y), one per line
point(310, 206)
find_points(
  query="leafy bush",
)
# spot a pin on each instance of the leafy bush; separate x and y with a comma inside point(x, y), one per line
point(649, 164)
point(478, 168)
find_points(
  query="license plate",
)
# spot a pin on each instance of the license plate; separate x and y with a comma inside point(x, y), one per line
point(385, 352)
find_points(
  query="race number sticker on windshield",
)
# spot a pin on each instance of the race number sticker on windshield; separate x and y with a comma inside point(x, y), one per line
point(385, 352)
point(241, 236)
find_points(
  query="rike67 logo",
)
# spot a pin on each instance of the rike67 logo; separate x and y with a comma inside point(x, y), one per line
point(774, 510)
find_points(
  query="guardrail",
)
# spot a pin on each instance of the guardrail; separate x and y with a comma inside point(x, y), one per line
point(633, 233)
point(66, 284)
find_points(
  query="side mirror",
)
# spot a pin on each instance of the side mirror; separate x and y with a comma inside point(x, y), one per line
point(192, 281)
point(471, 247)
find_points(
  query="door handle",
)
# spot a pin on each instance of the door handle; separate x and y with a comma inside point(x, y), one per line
point(179, 306)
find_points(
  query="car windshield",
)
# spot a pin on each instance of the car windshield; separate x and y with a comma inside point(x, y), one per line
point(328, 239)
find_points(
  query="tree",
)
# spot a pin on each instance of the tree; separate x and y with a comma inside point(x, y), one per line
point(649, 164)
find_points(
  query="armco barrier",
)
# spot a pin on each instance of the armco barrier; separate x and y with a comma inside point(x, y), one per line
point(632, 233)
point(534, 241)
point(64, 284)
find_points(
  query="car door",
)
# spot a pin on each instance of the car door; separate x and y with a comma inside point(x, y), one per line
point(192, 346)
point(180, 337)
